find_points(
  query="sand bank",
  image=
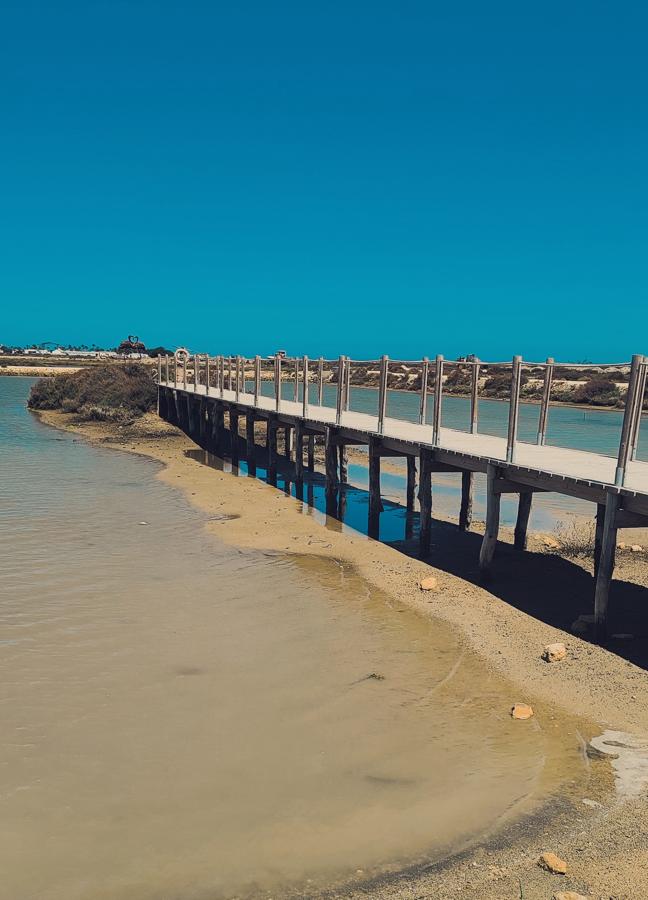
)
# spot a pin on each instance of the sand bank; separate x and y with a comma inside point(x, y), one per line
point(605, 845)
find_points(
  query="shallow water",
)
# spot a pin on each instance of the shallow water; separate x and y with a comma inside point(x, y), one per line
point(185, 719)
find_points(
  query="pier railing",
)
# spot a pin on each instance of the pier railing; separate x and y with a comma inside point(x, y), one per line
point(329, 382)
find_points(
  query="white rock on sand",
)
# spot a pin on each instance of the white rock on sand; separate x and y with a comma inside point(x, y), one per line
point(554, 652)
point(429, 583)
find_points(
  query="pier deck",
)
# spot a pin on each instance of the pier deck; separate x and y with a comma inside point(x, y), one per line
point(618, 486)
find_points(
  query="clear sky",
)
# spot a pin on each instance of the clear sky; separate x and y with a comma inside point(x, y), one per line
point(363, 178)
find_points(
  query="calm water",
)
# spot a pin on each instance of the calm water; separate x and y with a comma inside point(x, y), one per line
point(184, 719)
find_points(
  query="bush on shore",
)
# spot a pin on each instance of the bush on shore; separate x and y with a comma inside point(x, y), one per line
point(599, 391)
point(102, 394)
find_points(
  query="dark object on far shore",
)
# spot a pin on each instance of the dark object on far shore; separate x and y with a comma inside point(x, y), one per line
point(103, 393)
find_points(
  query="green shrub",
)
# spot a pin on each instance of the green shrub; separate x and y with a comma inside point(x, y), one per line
point(103, 393)
point(598, 391)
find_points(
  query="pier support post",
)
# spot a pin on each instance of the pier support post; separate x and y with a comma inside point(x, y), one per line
point(331, 462)
point(311, 452)
point(218, 428)
point(425, 502)
point(522, 522)
point(489, 541)
point(272, 450)
point(466, 508)
point(598, 535)
point(202, 422)
point(177, 420)
point(375, 503)
point(344, 464)
point(234, 435)
point(249, 442)
point(299, 452)
point(411, 481)
point(605, 567)
point(287, 441)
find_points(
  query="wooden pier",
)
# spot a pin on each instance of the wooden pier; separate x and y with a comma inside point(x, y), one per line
point(197, 392)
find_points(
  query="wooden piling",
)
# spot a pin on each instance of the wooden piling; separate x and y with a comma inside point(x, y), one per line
point(522, 521)
point(411, 481)
point(249, 442)
point(598, 535)
point(375, 503)
point(234, 434)
point(425, 501)
point(311, 452)
point(489, 541)
point(344, 464)
point(466, 508)
point(299, 451)
point(606, 565)
point(272, 449)
point(288, 441)
point(331, 460)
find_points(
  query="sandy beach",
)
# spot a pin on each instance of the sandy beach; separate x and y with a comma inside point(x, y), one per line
point(508, 624)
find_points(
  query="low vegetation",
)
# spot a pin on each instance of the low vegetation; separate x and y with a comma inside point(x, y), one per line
point(109, 393)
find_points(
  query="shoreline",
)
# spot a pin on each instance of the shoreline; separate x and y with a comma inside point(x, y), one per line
point(592, 683)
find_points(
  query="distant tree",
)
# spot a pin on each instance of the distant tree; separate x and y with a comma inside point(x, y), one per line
point(599, 391)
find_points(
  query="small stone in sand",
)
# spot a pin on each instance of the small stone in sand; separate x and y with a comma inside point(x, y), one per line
point(621, 546)
point(553, 863)
point(569, 895)
point(636, 548)
point(554, 652)
point(521, 711)
point(430, 583)
point(550, 542)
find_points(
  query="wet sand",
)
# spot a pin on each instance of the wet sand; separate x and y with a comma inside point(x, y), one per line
point(605, 845)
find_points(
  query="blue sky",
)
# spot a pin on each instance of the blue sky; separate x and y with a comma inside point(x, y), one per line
point(406, 178)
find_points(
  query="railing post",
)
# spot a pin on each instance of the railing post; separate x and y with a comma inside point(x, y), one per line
point(628, 419)
point(320, 381)
point(305, 378)
point(438, 397)
point(425, 368)
point(514, 408)
point(207, 375)
point(196, 373)
point(340, 390)
point(159, 381)
point(639, 408)
point(229, 373)
point(166, 367)
point(296, 384)
point(257, 379)
point(221, 374)
point(184, 372)
point(277, 382)
point(474, 397)
point(546, 399)
point(347, 382)
point(382, 392)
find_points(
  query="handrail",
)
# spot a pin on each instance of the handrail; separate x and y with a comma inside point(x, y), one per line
point(229, 373)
